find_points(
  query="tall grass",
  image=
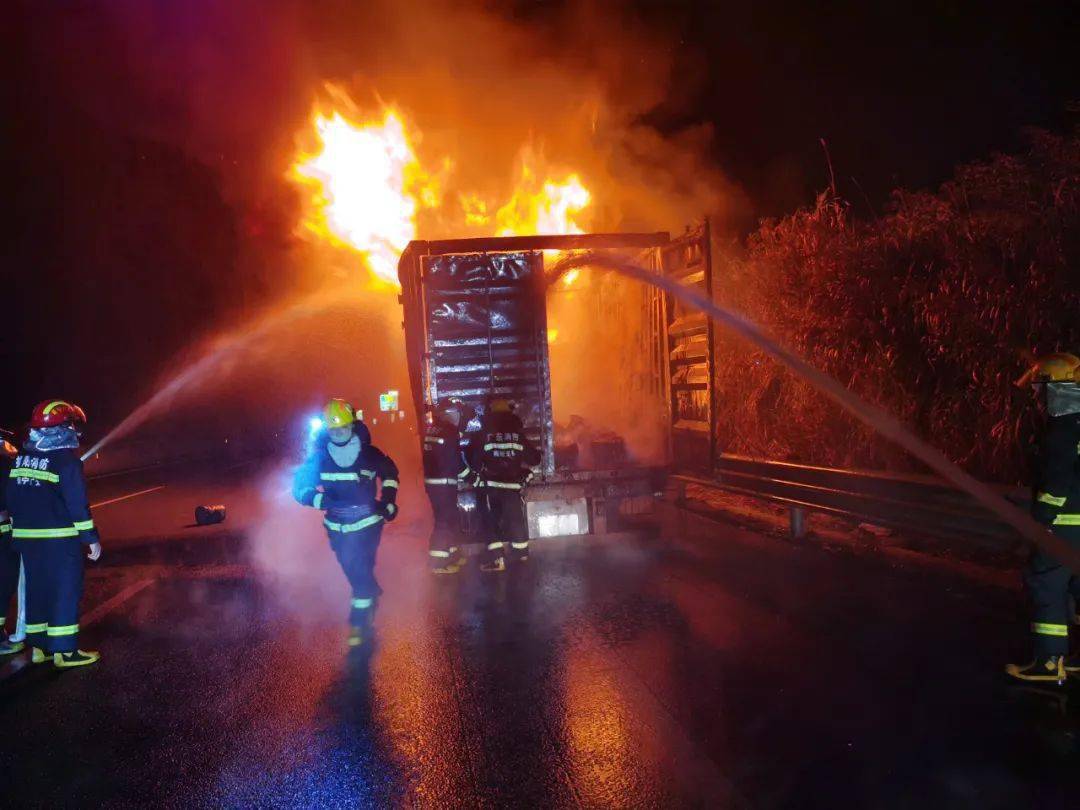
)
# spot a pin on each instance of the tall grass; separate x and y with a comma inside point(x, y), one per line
point(931, 310)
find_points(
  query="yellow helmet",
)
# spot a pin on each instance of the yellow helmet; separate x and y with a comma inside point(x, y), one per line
point(1053, 368)
point(338, 413)
point(500, 405)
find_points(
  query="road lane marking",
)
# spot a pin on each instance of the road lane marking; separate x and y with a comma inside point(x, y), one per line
point(114, 602)
point(10, 669)
point(125, 497)
point(132, 471)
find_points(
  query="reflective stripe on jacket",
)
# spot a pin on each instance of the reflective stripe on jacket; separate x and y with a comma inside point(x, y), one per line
point(501, 452)
point(45, 495)
point(444, 463)
point(320, 483)
point(1057, 477)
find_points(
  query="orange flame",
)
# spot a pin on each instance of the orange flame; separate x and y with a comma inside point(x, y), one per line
point(366, 186)
point(550, 206)
point(547, 206)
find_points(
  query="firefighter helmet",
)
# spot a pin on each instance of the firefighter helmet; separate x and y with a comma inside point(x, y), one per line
point(1053, 368)
point(448, 410)
point(338, 413)
point(54, 412)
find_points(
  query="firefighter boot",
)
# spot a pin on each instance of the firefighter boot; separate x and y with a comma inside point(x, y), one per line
point(39, 656)
point(363, 630)
point(452, 564)
point(1050, 669)
point(79, 658)
point(498, 564)
point(9, 647)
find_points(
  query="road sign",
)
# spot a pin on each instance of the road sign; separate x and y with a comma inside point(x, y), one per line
point(388, 402)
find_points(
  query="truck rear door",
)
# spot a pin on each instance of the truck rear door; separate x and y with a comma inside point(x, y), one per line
point(486, 333)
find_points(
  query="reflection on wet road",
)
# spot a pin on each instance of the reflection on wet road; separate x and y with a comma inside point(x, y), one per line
point(715, 667)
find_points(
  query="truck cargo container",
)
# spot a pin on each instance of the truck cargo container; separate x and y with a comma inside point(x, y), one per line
point(476, 325)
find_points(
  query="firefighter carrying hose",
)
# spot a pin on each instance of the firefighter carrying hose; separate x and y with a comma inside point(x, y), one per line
point(10, 561)
point(339, 477)
point(51, 522)
point(444, 471)
point(1056, 504)
point(503, 458)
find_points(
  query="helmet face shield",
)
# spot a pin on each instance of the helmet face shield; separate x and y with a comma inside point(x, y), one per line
point(340, 435)
point(1062, 398)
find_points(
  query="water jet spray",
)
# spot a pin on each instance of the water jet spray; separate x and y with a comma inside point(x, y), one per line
point(223, 348)
point(884, 423)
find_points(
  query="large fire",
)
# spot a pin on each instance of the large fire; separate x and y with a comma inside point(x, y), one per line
point(365, 187)
point(542, 205)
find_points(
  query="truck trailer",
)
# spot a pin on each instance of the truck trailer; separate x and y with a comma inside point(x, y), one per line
point(476, 326)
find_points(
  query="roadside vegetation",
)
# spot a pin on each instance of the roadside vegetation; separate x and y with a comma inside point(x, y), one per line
point(932, 310)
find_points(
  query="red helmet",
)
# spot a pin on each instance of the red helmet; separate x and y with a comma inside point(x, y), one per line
point(53, 412)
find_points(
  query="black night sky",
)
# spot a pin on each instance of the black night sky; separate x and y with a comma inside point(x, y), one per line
point(130, 233)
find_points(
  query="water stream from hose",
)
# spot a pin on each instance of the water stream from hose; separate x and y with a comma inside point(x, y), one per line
point(222, 349)
point(884, 423)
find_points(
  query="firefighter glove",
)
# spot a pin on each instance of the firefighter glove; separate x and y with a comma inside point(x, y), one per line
point(387, 510)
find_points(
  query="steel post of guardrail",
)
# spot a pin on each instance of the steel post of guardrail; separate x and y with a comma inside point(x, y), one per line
point(798, 522)
point(920, 503)
point(680, 491)
point(599, 516)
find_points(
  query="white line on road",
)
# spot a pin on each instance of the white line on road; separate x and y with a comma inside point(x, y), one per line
point(125, 497)
point(114, 602)
point(10, 669)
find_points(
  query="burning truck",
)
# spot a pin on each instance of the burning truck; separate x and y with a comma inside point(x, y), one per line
point(477, 322)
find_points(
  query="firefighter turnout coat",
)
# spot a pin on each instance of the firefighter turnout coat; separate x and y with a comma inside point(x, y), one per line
point(346, 492)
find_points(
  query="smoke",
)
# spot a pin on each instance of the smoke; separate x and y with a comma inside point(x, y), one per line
point(287, 550)
point(252, 387)
point(233, 83)
point(494, 89)
point(604, 368)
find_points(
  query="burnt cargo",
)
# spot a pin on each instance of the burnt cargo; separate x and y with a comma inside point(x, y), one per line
point(475, 323)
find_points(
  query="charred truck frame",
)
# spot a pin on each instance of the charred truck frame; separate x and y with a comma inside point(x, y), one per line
point(475, 321)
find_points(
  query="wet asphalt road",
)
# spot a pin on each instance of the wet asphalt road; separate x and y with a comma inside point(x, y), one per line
point(708, 667)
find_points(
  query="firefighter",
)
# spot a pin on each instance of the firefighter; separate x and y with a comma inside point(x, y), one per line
point(445, 471)
point(1056, 504)
point(339, 477)
point(503, 456)
point(10, 561)
point(51, 523)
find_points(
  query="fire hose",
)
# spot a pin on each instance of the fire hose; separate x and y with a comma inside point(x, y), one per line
point(884, 423)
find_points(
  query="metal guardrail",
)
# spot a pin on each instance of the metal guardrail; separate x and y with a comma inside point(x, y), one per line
point(907, 502)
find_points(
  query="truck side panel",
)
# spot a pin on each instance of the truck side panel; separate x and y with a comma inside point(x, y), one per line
point(486, 333)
